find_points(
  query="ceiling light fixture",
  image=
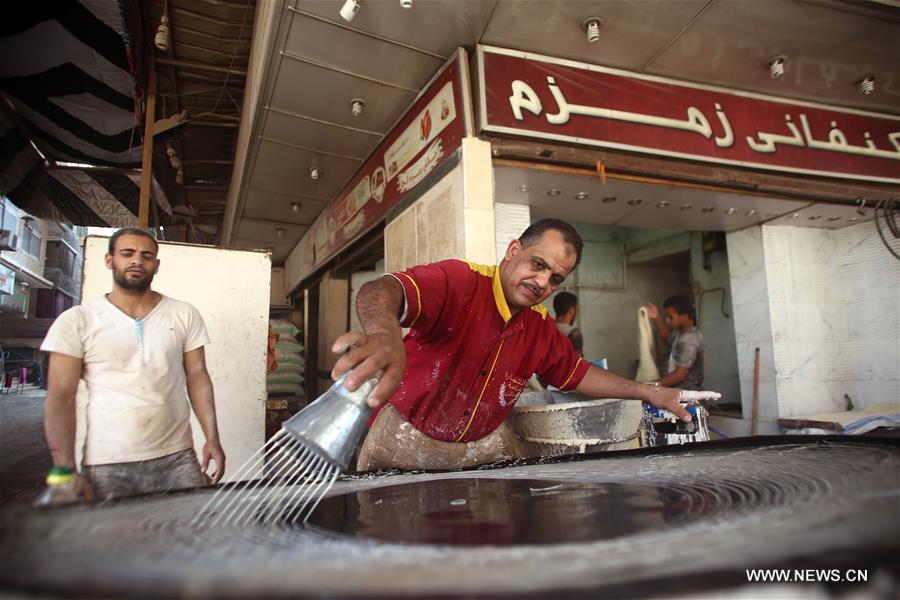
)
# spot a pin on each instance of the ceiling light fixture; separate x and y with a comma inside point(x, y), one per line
point(833, 219)
point(730, 211)
point(853, 219)
point(609, 199)
point(795, 216)
point(349, 9)
point(315, 173)
point(279, 231)
point(751, 212)
point(356, 106)
point(591, 25)
point(866, 85)
point(581, 195)
point(662, 204)
point(635, 202)
point(686, 207)
point(554, 192)
point(406, 3)
point(524, 188)
point(707, 209)
point(776, 67)
point(815, 217)
point(295, 207)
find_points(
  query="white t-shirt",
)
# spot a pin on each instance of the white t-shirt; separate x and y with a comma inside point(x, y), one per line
point(137, 405)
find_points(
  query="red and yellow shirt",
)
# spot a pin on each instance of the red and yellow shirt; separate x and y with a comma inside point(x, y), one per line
point(467, 356)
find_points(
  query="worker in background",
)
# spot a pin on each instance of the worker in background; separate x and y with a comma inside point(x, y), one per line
point(477, 334)
point(565, 305)
point(686, 341)
point(137, 351)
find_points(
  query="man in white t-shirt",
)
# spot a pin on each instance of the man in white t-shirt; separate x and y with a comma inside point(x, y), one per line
point(137, 351)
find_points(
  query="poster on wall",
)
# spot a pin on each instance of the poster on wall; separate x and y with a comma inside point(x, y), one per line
point(430, 131)
point(536, 96)
point(7, 280)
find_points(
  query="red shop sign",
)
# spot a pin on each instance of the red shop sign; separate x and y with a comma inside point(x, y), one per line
point(427, 134)
point(536, 96)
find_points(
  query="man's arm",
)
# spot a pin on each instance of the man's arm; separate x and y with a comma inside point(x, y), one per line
point(675, 377)
point(200, 392)
point(380, 348)
point(63, 375)
point(661, 328)
point(600, 383)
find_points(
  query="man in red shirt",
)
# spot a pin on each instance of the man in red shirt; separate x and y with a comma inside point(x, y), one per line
point(477, 334)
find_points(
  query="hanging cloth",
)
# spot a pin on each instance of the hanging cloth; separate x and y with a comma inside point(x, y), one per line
point(647, 370)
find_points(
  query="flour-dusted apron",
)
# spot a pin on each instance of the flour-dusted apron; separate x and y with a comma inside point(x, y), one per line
point(394, 443)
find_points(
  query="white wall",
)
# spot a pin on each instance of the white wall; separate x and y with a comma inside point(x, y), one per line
point(230, 288)
point(822, 306)
point(834, 297)
point(753, 324)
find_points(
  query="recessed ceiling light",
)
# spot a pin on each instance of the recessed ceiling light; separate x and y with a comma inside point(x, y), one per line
point(295, 207)
point(707, 209)
point(608, 199)
point(635, 202)
point(279, 231)
point(524, 188)
point(751, 212)
point(866, 85)
point(730, 211)
point(833, 219)
point(795, 216)
point(315, 173)
point(581, 195)
point(853, 219)
point(776, 67)
point(662, 204)
point(554, 192)
point(591, 25)
point(686, 207)
point(815, 217)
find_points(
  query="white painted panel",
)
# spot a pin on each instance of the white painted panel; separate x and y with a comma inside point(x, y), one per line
point(231, 290)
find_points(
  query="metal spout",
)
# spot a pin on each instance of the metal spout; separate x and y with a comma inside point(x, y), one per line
point(334, 423)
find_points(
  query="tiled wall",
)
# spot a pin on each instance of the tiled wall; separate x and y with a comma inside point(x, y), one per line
point(871, 277)
point(452, 219)
point(822, 305)
point(752, 323)
point(834, 301)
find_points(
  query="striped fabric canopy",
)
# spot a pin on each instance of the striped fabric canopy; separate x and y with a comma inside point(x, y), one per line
point(69, 76)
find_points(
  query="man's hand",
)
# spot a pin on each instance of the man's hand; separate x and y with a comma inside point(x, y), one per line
point(213, 450)
point(670, 399)
point(367, 356)
point(72, 491)
point(652, 311)
point(82, 487)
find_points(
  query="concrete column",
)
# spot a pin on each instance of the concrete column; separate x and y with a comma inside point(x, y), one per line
point(334, 296)
point(752, 328)
point(453, 219)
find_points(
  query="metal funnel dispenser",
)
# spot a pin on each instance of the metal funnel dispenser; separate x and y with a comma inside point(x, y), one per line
point(332, 426)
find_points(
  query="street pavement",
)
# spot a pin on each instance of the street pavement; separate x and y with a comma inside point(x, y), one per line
point(24, 456)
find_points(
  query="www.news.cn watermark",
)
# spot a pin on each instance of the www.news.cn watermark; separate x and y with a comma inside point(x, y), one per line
point(807, 575)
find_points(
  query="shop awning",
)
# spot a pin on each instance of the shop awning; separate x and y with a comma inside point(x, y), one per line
point(69, 80)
